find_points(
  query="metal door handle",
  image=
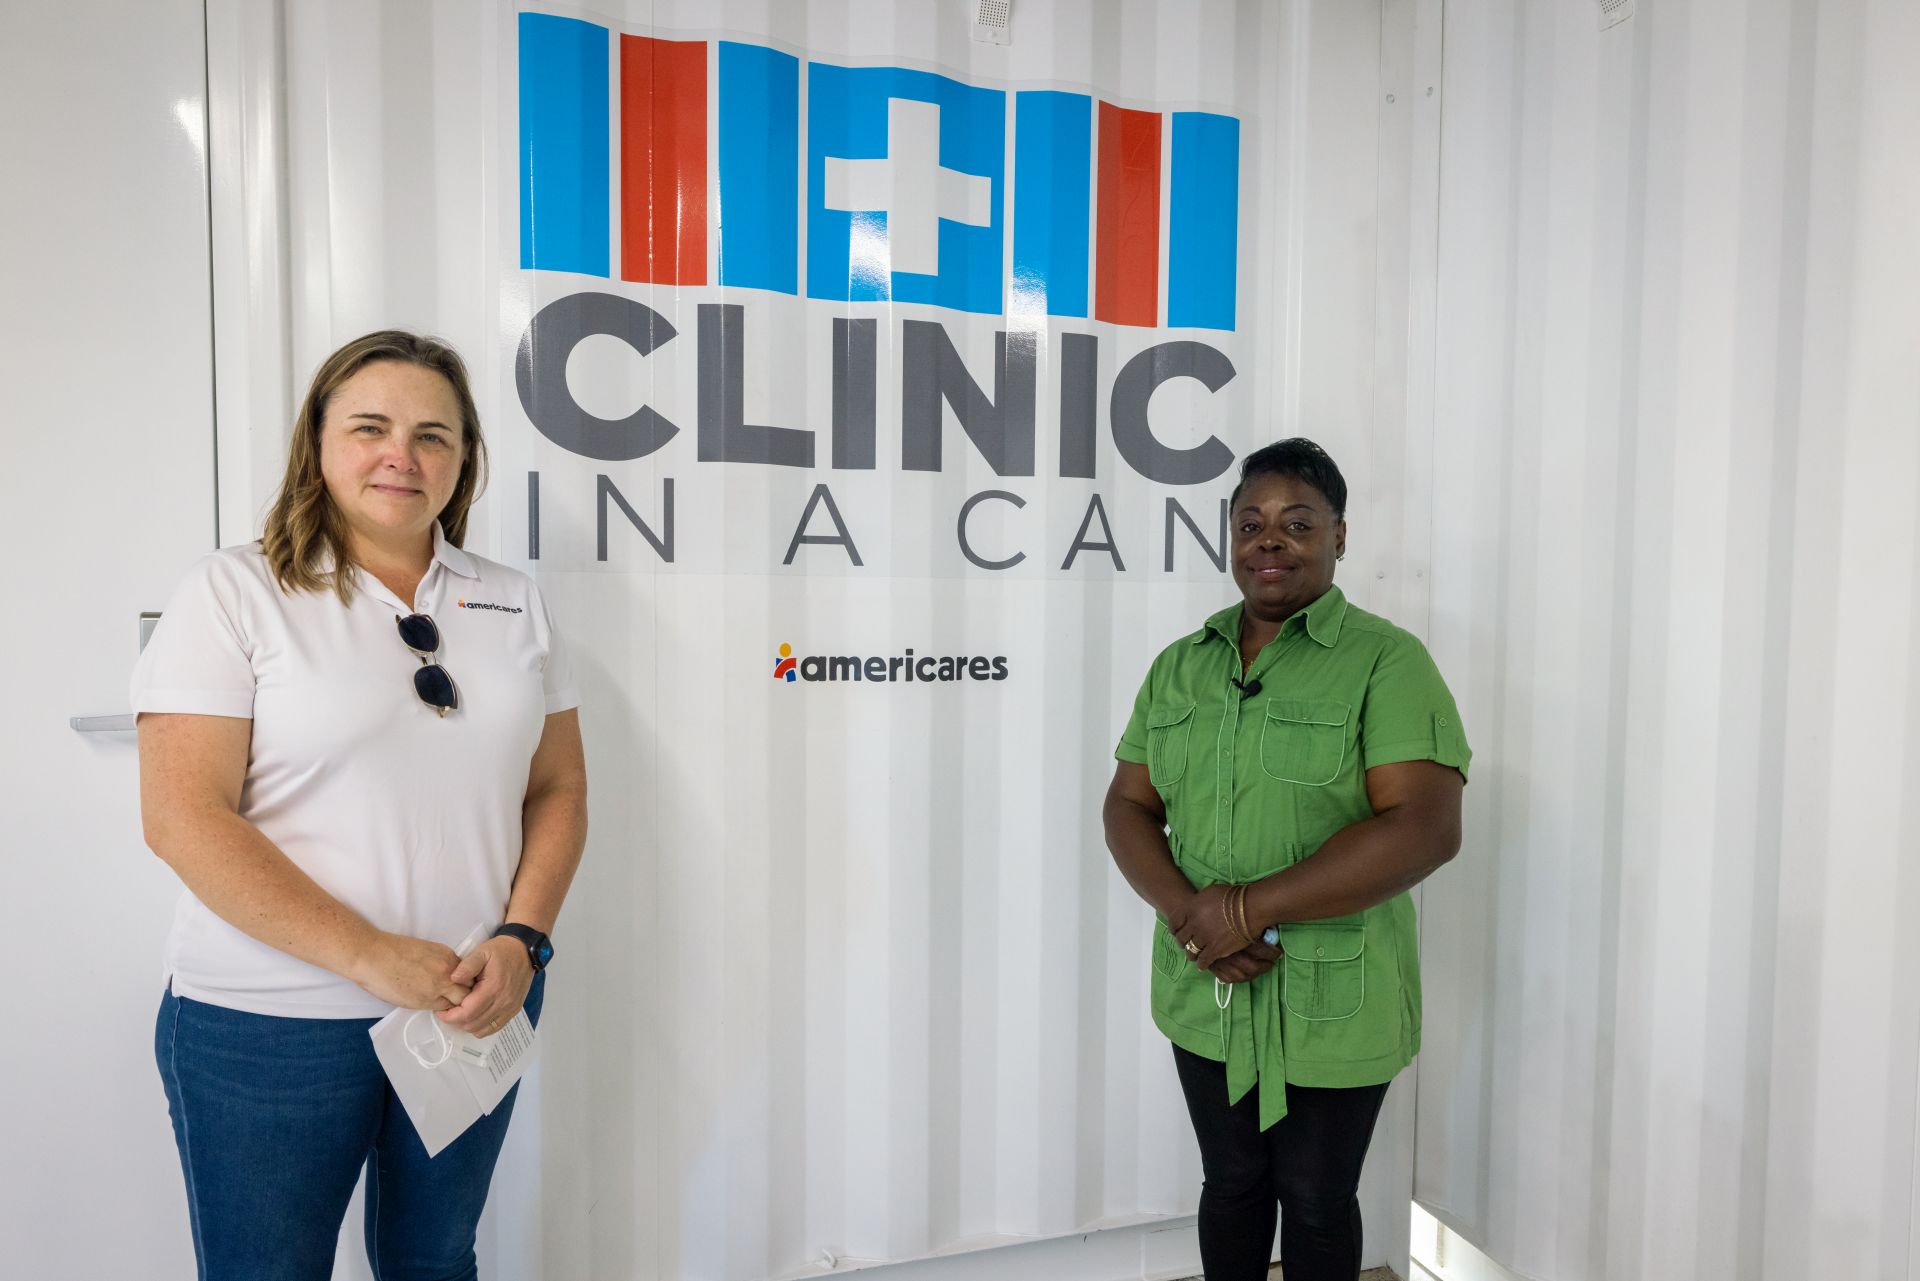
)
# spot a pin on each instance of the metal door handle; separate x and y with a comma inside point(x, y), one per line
point(102, 724)
point(122, 723)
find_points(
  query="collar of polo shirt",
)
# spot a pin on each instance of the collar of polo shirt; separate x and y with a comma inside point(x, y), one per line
point(456, 560)
point(1321, 619)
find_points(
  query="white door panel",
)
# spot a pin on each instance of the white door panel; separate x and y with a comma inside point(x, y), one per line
point(106, 495)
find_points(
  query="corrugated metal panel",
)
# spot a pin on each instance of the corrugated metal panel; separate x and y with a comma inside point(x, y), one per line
point(847, 969)
point(1676, 470)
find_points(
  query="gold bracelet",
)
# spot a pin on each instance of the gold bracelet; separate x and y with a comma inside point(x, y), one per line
point(1229, 907)
point(1240, 908)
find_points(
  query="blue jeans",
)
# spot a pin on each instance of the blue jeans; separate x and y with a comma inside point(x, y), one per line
point(275, 1117)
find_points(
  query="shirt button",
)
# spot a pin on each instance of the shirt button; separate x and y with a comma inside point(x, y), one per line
point(1319, 951)
point(1443, 722)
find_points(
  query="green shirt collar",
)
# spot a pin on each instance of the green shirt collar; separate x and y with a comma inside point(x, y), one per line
point(1321, 620)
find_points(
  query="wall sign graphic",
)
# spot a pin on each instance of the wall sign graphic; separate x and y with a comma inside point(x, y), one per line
point(873, 254)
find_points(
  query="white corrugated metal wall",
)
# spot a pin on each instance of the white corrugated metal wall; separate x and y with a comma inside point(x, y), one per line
point(851, 976)
point(1676, 573)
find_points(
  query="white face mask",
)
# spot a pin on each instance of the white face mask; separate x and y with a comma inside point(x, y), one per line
point(436, 1043)
point(413, 1045)
point(439, 1043)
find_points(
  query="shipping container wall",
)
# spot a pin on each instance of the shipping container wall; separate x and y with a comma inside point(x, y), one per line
point(1677, 551)
point(864, 397)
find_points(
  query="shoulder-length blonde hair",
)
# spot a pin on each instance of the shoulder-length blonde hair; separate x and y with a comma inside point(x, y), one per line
point(306, 537)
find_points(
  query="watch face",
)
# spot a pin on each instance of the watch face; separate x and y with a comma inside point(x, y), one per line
point(544, 952)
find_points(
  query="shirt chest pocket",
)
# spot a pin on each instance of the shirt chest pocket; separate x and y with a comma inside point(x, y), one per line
point(1304, 740)
point(1326, 977)
point(1168, 729)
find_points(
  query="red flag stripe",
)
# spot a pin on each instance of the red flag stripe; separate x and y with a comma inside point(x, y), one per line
point(1126, 288)
point(663, 161)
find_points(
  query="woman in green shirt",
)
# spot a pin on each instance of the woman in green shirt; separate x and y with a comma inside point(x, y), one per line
point(1290, 771)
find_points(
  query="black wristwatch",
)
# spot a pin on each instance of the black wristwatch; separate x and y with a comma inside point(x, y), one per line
point(539, 946)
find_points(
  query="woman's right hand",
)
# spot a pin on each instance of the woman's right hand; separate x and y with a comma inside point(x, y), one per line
point(1255, 959)
point(1249, 963)
point(414, 974)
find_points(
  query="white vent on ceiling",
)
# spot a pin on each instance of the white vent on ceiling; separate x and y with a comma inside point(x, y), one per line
point(1614, 12)
point(991, 20)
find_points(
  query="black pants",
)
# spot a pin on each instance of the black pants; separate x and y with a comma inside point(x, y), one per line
point(1307, 1165)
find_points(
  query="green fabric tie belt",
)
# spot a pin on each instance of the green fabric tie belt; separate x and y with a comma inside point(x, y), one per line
point(1251, 1045)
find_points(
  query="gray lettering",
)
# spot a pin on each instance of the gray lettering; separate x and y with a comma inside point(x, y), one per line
point(966, 548)
point(540, 372)
point(1133, 432)
point(932, 372)
point(725, 435)
point(1079, 395)
point(856, 381)
point(1080, 543)
point(604, 489)
point(1219, 558)
point(840, 536)
point(843, 668)
point(533, 515)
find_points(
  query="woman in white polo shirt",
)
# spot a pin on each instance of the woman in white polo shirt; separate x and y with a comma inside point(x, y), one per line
point(357, 742)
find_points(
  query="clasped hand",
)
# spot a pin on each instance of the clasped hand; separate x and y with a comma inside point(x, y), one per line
point(1204, 929)
point(479, 993)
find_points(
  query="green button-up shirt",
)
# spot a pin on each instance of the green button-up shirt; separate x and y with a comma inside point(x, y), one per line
point(1253, 785)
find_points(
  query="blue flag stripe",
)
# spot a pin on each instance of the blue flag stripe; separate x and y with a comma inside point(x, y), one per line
point(849, 252)
point(1203, 221)
point(759, 196)
point(1052, 164)
point(563, 145)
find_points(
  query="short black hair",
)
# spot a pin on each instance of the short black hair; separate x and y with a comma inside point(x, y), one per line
point(1297, 459)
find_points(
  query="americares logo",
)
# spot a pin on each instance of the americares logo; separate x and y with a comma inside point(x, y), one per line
point(926, 669)
point(481, 604)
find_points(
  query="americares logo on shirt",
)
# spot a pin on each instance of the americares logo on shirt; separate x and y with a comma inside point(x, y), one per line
point(481, 604)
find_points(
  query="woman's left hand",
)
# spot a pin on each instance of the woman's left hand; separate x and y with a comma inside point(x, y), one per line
point(500, 973)
point(1207, 935)
point(1249, 963)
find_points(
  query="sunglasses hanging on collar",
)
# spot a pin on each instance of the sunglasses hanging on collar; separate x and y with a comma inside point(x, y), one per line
point(431, 683)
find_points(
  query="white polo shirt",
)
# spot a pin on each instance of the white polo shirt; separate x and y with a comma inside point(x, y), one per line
point(410, 819)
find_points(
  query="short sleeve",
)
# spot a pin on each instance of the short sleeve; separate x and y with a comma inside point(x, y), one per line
point(1409, 713)
point(199, 658)
point(1133, 740)
point(556, 674)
